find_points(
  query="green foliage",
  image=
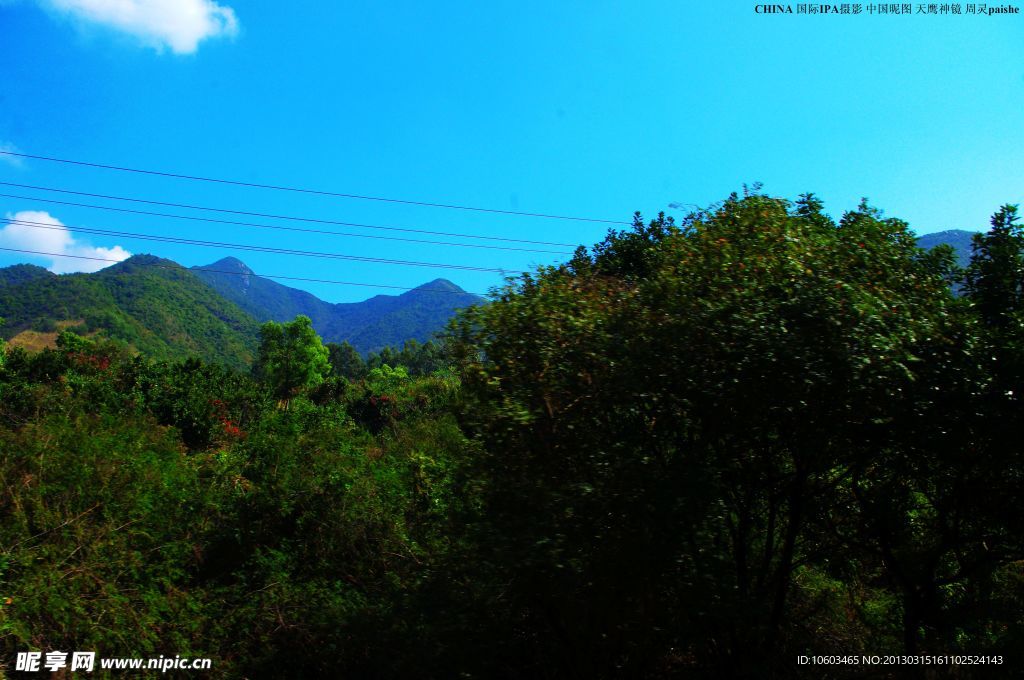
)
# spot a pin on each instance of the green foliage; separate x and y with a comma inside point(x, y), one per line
point(995, 277)
point(418, 359)
point(291, 357)
point(72, 342)
point(99, 511)
point(20, 273)
point(698, 449)
point(345, 361)
point(694, 414)
point(155, 508)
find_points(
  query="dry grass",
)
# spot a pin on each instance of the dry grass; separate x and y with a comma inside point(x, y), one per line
point(33, 341)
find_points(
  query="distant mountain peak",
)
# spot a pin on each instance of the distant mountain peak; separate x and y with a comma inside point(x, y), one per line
point(229, 264)
point(436, 286)
point(938, 235)
point(140, 260)
point(439, 284)
point(368, 325)
point(234, 273)
point(144, 258)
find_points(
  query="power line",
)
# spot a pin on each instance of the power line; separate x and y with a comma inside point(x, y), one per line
point(261, 249)
point(317, 192)
point(235, 273)
point(279, 227)
point(282, 217)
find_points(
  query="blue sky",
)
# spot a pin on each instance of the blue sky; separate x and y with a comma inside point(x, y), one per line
point(591, 108)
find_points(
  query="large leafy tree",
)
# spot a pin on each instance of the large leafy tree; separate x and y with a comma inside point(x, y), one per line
point(671, 418)
point(291, 357)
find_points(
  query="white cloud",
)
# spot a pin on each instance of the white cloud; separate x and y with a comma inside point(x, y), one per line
point(57, 239)
point(7, 146)
point(178, 24)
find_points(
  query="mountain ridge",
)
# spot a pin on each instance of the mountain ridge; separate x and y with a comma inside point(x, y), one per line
point(168, 311)
point(370, 325)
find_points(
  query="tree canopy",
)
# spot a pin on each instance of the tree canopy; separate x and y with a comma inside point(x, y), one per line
point(291, 357)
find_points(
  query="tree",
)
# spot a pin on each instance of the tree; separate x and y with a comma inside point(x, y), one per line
point(71, 342)
point(418, 359)
point(995, 277)
point(668, 419)
point(291, 357)
point(346, 361)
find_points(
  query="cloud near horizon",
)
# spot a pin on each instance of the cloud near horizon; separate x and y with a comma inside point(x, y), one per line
point(56, 239)
point(176, 24)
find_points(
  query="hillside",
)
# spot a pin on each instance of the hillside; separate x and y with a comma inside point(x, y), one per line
point(264, 299)
point(162, 312)
point(369, 325)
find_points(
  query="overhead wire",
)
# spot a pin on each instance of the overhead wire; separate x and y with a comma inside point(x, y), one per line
point(278, 226)
point(282, 217)
point(318, 192)
point(269, 249)
point(254, 248)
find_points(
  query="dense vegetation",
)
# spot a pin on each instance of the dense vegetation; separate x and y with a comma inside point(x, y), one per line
point(695, 450)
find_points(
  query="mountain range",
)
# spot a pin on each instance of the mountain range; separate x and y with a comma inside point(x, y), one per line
point(368, 326)
point(214, 312)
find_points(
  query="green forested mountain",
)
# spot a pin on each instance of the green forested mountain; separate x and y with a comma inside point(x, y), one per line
point(383, 320)
point(163, 312)
point(167, 312)
point(264, 299)
point(386, 320)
